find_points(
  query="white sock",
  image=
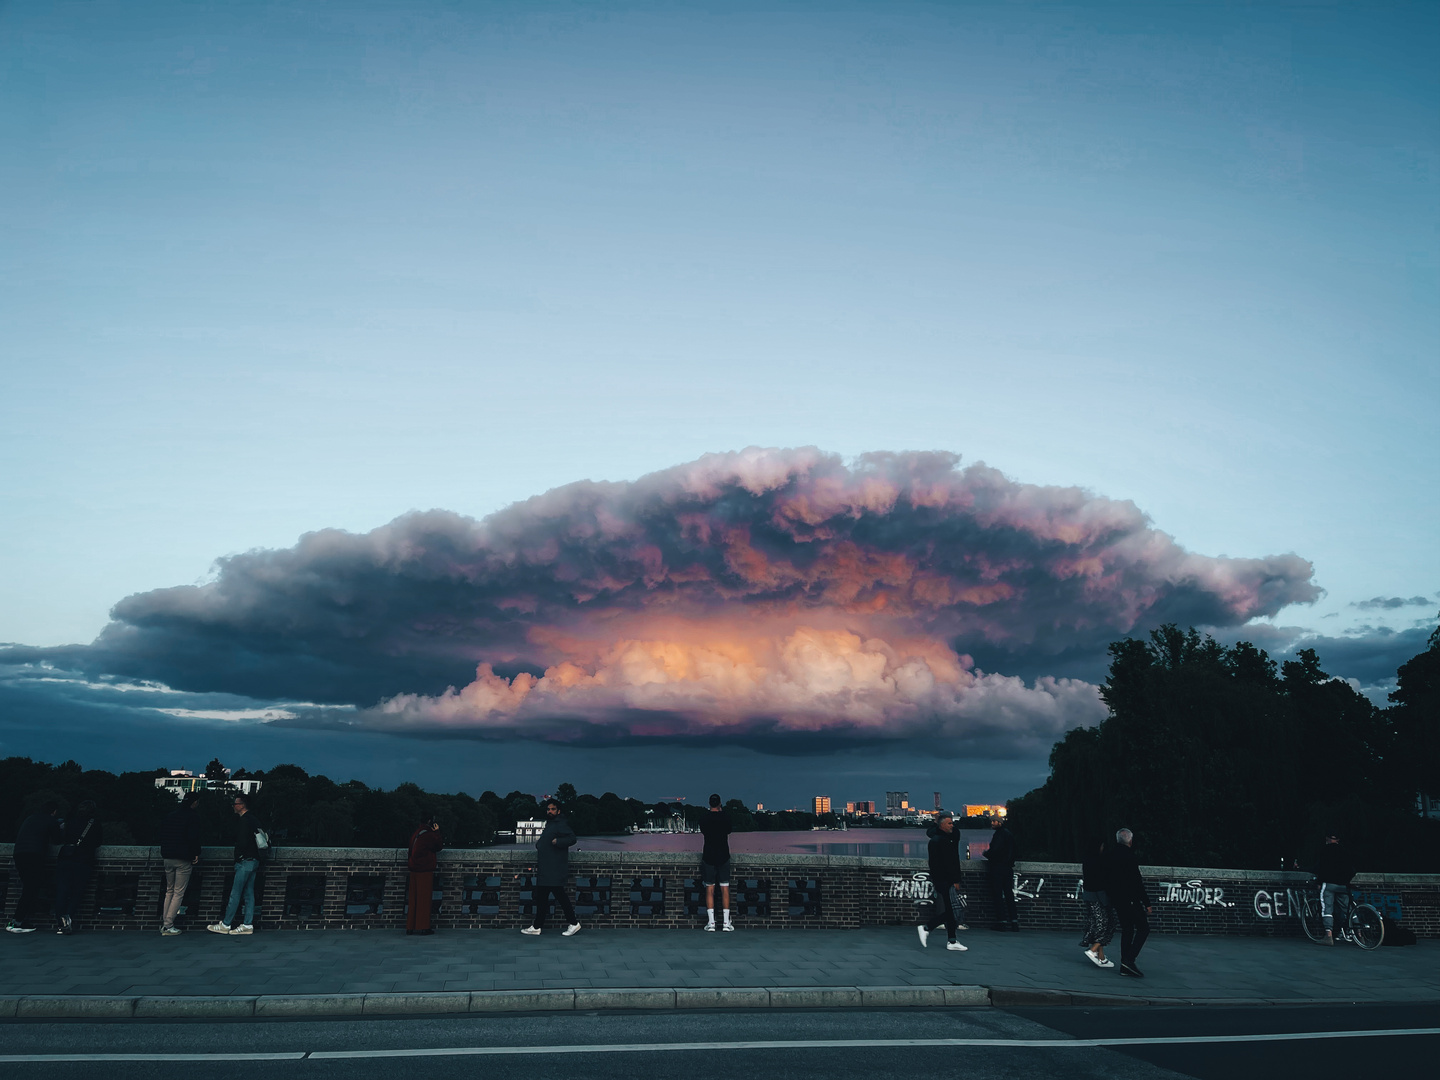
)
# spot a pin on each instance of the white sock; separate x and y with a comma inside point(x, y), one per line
point(727, 916)
point(710, 911)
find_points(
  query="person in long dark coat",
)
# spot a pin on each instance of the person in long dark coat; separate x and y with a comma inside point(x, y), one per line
point(552, 870)
point(32, 845)
point(424, 844)
point(1132, 902)
point(1000, 867)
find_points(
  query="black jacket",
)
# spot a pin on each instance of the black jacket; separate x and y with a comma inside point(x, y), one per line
point(1092, 872)
point(37, 833)
point(1122, 878)
point(552, 860)
point(715, 825)
point(944, 852)
point(80, 837)
point(180, 835)
point(1333, 867)
point(245, 846)
point(1001, 853)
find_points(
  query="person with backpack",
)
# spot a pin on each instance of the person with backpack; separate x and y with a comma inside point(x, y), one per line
point(250, 841)
point(180, 851)
point(424, 844)
point(79, 838)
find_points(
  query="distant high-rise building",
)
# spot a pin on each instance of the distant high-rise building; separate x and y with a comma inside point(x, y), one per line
point(759, 806)
point(984, 810)
point(897, 802)
point(937, 800)
point(822, 804)
point(865, 807)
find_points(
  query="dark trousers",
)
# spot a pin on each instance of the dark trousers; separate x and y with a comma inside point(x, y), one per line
point(417, 898)
point(542, 904)
point(1134, 929)
point(31, 868)
point(943, 910)
point(1002, 884)
point(71, 877)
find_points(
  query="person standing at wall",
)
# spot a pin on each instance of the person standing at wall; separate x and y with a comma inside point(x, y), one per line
point(80, 837)
point(1000, 867)
point(1333, 870)
point(32, 844)
point(249, 837)
point(552, 870)
point(1126, 888)
point(1099, 915)
point(424, 844)
point(180, 852)
point(715, 862)
point(944, 852)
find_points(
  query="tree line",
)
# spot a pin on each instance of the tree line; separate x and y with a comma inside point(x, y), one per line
point(299, 809)
point(1218, 757)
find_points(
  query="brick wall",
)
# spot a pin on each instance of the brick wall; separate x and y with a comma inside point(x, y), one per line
point(364, 888)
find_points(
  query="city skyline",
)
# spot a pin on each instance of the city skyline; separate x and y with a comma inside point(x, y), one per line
point(655, 398)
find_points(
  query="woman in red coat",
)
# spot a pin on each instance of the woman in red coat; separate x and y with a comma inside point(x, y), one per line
point(424, 843)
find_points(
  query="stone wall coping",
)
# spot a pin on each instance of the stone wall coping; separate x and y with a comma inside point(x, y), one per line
point(393, 857)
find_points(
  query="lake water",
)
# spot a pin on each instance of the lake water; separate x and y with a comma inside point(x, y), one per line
point(886, 843)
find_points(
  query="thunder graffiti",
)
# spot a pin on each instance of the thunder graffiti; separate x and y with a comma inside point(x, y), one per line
point(1195, 895)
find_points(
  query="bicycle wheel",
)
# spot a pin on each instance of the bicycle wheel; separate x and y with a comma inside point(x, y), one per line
point(1367, 927)
point(1310, 919)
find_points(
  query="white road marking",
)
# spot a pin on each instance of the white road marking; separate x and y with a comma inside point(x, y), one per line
point(216, 1058)
point(756, 1044)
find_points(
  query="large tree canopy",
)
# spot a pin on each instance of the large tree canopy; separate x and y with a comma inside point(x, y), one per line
point(1217, 758)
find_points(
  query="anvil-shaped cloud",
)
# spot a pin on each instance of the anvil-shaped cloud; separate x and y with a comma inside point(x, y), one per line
point(744, 595)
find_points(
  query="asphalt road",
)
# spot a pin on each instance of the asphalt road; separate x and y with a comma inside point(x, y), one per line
point(982, 1043)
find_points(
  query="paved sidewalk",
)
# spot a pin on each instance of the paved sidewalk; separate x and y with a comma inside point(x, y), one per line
point(387, 962)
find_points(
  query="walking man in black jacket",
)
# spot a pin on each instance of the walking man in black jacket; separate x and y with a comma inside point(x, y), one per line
point(944, 852)
point(1132, 903)
point(1000, 867)
point(552, 870)
point(180, 851)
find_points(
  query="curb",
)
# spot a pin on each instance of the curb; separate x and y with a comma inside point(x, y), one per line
point(273, 1006)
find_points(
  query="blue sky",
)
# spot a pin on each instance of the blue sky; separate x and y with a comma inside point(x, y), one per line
point(270, 269)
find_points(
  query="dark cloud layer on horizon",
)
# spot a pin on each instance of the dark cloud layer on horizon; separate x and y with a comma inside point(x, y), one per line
point(758, 595)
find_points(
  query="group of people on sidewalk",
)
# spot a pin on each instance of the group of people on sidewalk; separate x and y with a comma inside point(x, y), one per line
point(1112, 888)
point(78, 836)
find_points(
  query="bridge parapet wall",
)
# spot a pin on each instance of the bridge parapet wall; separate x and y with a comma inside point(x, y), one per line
point(489, 888)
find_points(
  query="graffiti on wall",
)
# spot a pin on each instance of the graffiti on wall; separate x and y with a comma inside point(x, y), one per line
point(1195, 895)
point(1023, 890)
point(1290, 903)
point(916, 887)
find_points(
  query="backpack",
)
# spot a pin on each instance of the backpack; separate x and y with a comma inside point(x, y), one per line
point(1396, 933)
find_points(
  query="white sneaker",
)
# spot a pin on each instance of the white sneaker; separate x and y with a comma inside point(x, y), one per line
point(171, 931)
point(533, 931)
point(218, 928)
point(729, 928)
point(571, 930)
point(961, 926)
point(243, 928)
point(1095, 959)
point(955, 946)
point(924, 937)
point(710, 927)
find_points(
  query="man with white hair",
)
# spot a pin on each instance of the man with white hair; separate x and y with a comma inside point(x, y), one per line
point(1132, 903)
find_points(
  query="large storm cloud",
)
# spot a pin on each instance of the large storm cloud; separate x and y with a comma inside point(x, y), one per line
point(759, 593)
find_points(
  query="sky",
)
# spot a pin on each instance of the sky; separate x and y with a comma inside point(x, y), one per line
point(789, 399)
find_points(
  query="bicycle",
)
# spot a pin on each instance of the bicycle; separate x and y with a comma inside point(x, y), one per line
point(1360, 924)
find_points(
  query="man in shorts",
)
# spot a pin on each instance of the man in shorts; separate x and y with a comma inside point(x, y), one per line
point(715, 862)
